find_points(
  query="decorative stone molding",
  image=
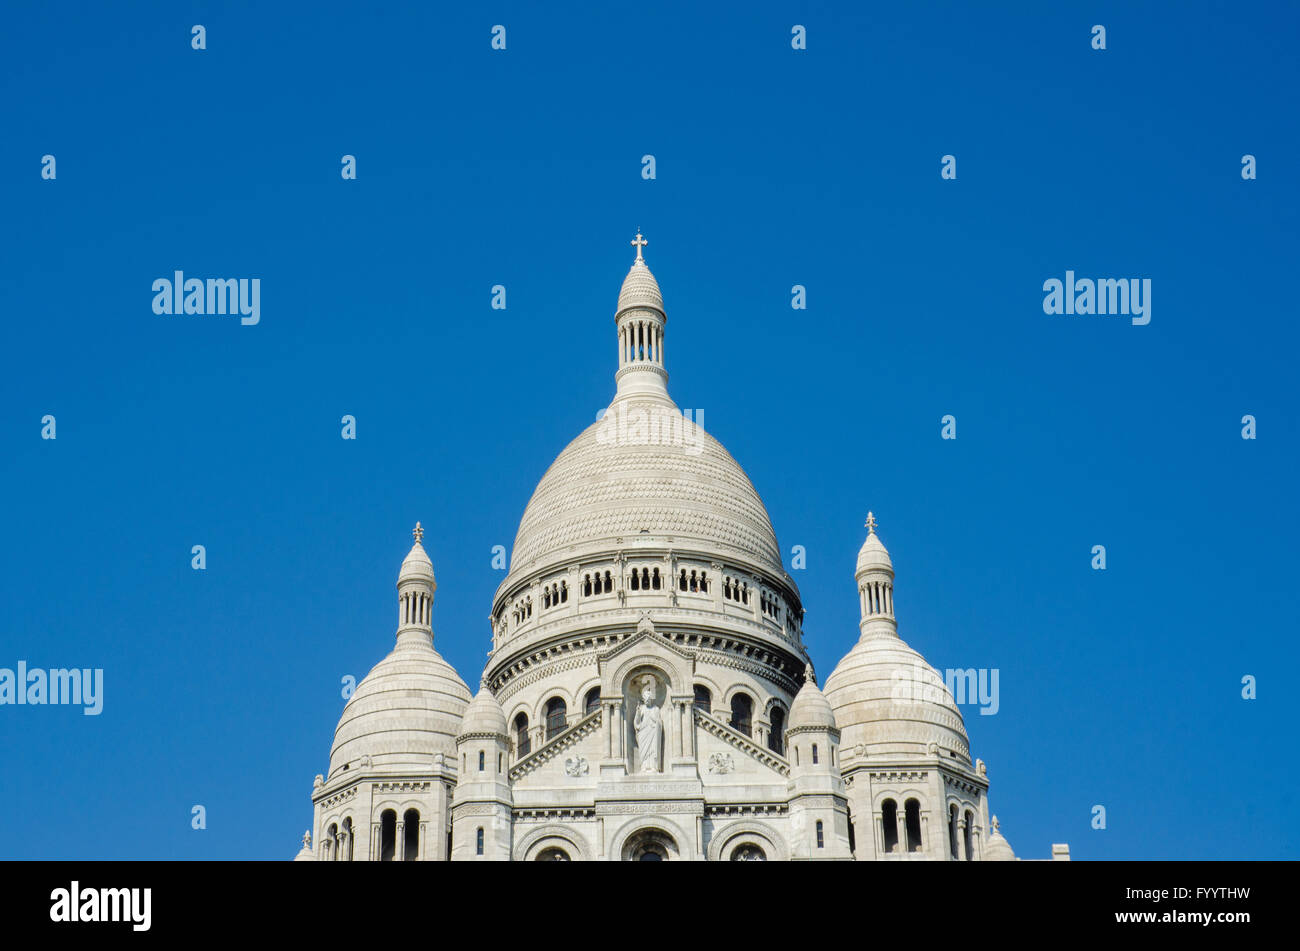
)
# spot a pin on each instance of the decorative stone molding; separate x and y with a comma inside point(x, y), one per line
point(721, 763)
point(556, 745)
point(543, 813)
point(553, 836)
point(576, 766)
point(742, 742)
point(339, 797)
point(737, 833)
point(736, 809)
point(665, 807)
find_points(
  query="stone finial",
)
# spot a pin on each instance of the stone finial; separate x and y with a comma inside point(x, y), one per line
point(639, 243)
point(318, 781)
point(871, 524)
point(809, 675)
point(418, 534)
point(996, 825)
point(981, 768)
point(306, 839)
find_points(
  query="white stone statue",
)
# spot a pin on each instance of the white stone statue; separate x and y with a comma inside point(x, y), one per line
point(648, 723)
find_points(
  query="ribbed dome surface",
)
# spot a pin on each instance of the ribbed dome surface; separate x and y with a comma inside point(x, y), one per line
point(873, 555)
point(417, 565)
point(887, 699)
point(605, 486)
point(484, 715)
point(640, 289)
point(407, 708)
point(998, 849)
point(811, 708)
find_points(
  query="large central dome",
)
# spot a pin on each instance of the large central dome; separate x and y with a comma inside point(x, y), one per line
point(624, 477)
point(643, 469)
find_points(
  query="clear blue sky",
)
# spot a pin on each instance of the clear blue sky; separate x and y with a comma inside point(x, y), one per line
point(775, 167)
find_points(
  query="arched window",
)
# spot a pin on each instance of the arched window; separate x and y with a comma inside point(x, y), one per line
point(482, 761)
point(546, 598)
point(703, 699)
point(853, 845)
point(814, 754)
point(742, 714)
point(776, 739)
point(654, 579)
point(478, 841)
point(889, 824)
point(553, 855)
point(821, 841)
point(523, 742)
point(645, 579)
point(952, 833)
point(970, 835)
point(635, 580)
point(556, 710)
point(681, 581)
point(592, 701)
point(346, 845)
point(704, 582)
point(410, 836)
point(586, 586)
point(564, 591)
point(609, 583)
point(331, 843)
point(912, 817)
point(387, 835)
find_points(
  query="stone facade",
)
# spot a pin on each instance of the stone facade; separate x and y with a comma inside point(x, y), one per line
point(648, 695)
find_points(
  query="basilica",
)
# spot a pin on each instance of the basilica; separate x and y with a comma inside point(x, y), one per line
point(648, 695)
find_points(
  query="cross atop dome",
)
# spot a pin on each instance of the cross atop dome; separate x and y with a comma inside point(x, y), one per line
point(639, 243)
point(871, 524)
point(418, 534)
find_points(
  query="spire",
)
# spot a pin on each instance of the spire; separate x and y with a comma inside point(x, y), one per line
point(415, 587)
point(875, 577)
point(640, 322)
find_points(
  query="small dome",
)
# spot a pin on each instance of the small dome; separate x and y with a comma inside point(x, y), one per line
point(998, 849)
point(484, 714)
point(811, 709)
point(873, 556)
point(640, 289)
point(417, 566)
point(406, 710)
point(888, 700)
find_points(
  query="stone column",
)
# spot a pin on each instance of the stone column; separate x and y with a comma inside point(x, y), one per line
point(961, 839)
point(399, 840)
point(900, 829)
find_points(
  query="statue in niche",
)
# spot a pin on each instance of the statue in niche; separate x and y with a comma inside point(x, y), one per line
point(648, 723)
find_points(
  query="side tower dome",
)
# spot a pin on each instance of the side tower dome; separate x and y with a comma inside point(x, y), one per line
point(409, 707)
point(886, 698)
